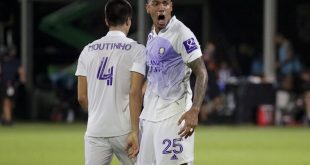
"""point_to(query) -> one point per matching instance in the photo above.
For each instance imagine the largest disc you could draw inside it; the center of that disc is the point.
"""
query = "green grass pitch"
(62, 144)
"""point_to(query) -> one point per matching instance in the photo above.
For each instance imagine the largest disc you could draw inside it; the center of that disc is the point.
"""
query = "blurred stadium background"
(265, 110)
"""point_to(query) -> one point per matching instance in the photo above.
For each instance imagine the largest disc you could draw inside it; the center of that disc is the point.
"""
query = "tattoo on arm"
(199, 69)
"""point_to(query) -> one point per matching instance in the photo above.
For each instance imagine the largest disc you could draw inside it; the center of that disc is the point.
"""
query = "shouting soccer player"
(169, 117)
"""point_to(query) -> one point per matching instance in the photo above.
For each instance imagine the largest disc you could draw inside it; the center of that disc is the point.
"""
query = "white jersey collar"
(116, 33)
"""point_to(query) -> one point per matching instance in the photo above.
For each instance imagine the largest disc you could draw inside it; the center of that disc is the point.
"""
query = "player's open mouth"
(161, 19)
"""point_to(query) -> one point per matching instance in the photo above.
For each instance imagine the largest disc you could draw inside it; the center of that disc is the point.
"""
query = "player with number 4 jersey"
(110, 77)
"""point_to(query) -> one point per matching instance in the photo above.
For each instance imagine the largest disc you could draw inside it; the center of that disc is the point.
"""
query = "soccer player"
(169, 117)
(110, 78)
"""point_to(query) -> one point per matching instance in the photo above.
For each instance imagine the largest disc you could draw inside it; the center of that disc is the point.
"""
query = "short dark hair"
(117, 12)
(147, 1)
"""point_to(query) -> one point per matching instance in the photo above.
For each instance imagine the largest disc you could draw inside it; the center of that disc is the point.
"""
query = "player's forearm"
(84, 105)
(200, 89)
(135, 104)
(201, 74)
(83, 102)
(82, 92)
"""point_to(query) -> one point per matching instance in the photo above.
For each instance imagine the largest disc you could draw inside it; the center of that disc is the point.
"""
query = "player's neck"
(157, 30)
(119, 28)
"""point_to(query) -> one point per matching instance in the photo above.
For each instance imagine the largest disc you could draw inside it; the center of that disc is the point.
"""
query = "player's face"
(160, 12)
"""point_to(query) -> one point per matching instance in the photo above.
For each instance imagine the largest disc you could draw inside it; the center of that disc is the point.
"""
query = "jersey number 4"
(101, 75)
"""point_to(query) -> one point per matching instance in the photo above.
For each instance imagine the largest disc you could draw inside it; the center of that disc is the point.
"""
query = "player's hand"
(132, 146)
(190, 122)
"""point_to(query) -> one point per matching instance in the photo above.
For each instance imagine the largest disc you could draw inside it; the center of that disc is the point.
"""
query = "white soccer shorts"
(160, 143)
(99, 150)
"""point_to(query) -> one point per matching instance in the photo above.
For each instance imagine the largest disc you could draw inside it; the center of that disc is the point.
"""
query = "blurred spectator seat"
(247, 97)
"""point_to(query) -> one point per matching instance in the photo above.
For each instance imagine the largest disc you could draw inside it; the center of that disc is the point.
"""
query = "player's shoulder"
(96, 41)
(181, 28)
(91, 43)
(135, 44)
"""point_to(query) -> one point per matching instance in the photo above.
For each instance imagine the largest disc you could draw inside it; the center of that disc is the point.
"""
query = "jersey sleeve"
(188, 46)
(139, 60)
(81, 66)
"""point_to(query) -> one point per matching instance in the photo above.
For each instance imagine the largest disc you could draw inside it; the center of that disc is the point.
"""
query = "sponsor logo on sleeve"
(190, 45)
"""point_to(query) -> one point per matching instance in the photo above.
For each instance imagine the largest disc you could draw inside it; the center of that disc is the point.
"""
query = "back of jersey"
(107, 64)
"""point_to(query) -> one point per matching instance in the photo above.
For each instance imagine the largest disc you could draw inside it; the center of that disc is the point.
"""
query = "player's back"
(109, 61)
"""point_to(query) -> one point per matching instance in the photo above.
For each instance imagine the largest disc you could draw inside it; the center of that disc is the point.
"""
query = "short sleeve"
(81, 66)
(139, 60)
(188, 46)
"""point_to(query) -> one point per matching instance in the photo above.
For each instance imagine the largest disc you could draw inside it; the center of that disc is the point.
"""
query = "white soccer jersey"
(107, 63)
(168, 54)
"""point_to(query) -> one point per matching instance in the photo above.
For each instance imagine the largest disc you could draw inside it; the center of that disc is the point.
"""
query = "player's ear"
(171, 5)
(147, 8)
(128, 22)
(106, 22)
